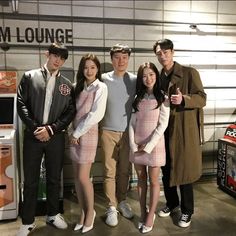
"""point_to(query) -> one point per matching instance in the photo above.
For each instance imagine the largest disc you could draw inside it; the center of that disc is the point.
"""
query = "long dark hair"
(80, 78)
(141, 88)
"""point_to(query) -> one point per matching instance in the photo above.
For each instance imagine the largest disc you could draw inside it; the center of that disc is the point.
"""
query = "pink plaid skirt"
(146, 123)
(85, 152)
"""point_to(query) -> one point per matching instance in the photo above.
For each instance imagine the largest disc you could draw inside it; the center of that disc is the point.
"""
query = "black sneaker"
(185, 220)
(164, 212)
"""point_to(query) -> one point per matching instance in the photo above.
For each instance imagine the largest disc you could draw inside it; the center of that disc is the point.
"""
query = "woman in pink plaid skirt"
(91, 97)
(146, 133)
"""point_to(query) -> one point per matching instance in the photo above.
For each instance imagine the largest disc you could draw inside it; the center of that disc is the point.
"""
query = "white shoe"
(140, 225)
(146, 229)
(125, 210)
(112, 219)
(57, 221)
(85, 229)
(166, 211)
(185, 220)
(25, 230)
(78, 227)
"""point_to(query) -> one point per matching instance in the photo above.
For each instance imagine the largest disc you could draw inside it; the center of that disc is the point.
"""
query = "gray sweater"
(119, 102)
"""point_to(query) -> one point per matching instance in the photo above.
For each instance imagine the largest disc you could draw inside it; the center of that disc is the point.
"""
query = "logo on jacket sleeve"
(64, 89)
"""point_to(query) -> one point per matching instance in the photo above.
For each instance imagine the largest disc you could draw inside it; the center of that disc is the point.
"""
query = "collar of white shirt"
(94, 84)
(49, 75)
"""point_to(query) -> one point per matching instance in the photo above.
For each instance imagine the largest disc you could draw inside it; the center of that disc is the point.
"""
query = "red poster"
(8, 81)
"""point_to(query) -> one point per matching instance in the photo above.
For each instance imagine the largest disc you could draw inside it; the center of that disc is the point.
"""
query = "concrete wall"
(203, 33)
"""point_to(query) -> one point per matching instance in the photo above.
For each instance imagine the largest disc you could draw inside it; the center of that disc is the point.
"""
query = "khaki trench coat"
(186, 126)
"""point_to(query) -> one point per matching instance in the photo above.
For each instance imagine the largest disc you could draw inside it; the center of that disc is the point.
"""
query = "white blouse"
(98, 108)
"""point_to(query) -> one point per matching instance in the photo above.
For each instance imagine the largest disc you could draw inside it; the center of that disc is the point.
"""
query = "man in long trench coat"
(183, 136)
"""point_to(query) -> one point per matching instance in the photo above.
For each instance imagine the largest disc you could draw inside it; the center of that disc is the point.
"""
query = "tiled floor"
(215, 214)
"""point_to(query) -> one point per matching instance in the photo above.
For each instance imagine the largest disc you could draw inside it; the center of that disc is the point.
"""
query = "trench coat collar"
(177, 74)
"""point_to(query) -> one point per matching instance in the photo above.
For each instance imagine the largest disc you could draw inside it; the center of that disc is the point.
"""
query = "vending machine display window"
(8, 111)
(7, 114)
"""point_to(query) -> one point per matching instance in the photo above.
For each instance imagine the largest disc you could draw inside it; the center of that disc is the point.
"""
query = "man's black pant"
(171, 194)
(33, 151)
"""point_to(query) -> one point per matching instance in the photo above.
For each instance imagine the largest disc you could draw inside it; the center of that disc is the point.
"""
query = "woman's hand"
(141, 147)
(73, 140)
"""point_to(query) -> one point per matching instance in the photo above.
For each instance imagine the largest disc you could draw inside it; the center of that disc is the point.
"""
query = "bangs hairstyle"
(120, 48)
(59, 50)
(164, 44)
(80, 78)
(141, 88)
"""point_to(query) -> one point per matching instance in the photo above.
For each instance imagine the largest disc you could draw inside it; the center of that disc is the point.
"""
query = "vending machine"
(9, 189)
(226, 161)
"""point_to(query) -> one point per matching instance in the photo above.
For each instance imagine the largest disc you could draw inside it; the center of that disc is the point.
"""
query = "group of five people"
(151, 120)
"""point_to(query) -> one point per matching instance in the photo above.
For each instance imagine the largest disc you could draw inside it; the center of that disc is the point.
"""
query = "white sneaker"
(185, 220)
(25, 230)
(112, 219)
(57, 221)
(125, 210)
(166, 211)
